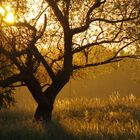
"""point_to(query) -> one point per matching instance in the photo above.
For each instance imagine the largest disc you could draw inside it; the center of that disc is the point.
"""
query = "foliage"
(50, 40)
(101, 33)
(77, 119)
(7, 93)
(7, 98)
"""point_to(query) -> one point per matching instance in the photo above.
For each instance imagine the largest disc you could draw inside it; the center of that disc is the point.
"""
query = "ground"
(115, 118)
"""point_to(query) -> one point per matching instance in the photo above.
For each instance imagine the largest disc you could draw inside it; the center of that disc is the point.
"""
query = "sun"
(6, 14)
(10, 18)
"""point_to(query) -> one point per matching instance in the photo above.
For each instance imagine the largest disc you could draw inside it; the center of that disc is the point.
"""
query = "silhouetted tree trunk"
(44, 109)
(45, 100)
(44, 112)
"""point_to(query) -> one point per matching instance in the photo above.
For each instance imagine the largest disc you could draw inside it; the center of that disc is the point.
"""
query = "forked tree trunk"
(44, 113)
(45, 106)
(45, 100)
(44, 109)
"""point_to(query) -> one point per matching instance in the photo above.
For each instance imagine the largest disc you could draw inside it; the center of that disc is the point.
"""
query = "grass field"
(116, 118)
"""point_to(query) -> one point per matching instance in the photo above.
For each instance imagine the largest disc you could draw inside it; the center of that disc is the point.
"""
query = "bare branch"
(122, 48)
(11, 80)
(66, 11)
(39, 14)
(75, 67)
(17, 85)
(25, 24)
(114, 21)
(5, 66)
(89, 21)
(44, 28)
(96, 5)
(44, 62)
(114, 58)
(57, 12)
(45, 85)
(96, 43)
(110, 60)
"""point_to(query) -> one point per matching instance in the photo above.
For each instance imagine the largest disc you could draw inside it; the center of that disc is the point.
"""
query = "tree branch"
(96, 43)
(110, 60)
(44, 28)
(44, 62)
(89, 21)
(10, 80)
(113, 59)
(66, 11)
(96, 5)
(114, 21)
(124, 47)
(25, 24)
(57, 12)
(75, 67)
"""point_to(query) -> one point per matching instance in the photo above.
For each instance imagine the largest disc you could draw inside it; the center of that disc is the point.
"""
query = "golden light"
(2, 11)
(10, 18)
(7, 14)
(8, 7)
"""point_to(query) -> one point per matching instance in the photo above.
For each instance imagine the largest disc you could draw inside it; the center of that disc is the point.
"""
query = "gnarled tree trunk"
(45, 100)
(44, 109)
(44, 112)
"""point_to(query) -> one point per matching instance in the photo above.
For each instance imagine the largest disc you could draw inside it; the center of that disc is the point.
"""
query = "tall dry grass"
(114, 118)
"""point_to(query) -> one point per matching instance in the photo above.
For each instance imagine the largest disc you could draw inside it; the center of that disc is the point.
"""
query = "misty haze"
(69, 69)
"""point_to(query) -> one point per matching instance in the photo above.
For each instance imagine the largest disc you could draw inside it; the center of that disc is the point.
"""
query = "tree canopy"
(51, 39)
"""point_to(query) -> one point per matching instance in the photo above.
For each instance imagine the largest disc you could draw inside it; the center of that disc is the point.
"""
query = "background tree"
(50, 40)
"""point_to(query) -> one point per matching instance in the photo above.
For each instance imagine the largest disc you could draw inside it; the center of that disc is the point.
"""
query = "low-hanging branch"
(10, 80)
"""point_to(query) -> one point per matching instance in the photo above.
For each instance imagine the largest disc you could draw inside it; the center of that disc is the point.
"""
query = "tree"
(6, 94)
(53, 39)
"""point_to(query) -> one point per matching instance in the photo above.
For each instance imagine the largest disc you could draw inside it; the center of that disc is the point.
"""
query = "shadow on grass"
(55, 131)
(18, 125)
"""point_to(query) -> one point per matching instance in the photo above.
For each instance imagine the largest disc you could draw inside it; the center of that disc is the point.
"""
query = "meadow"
(114, 118)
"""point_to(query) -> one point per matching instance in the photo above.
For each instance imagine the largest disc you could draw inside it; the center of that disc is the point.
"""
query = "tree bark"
(44, 113)
(44, 110)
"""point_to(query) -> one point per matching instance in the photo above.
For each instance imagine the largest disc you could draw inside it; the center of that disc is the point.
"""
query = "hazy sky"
(102, 86)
